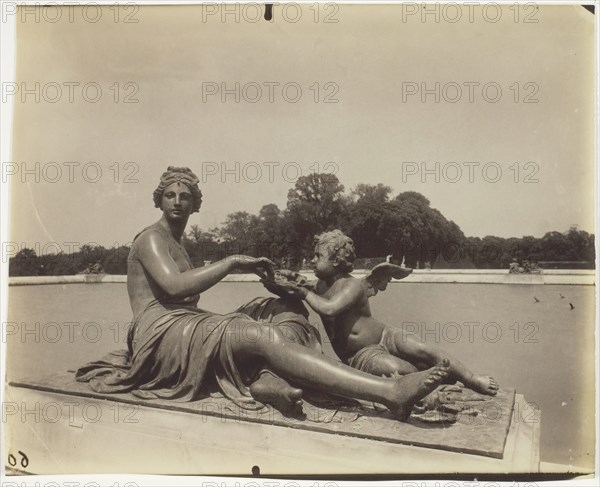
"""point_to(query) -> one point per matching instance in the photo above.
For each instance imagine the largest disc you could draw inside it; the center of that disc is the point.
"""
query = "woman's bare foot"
(413, 387)
(483, 384)
(276, 392)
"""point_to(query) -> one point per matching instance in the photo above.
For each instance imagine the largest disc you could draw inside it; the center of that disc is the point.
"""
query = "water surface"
(545, 350)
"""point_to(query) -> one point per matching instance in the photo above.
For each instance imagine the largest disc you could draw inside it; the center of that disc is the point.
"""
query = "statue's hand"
(254, 264)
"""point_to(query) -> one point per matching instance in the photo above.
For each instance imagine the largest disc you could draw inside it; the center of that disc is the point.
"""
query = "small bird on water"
(561, 296)
(536, 299)
(571, 305)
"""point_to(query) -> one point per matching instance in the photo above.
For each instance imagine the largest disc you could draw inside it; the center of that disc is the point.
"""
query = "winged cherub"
(359, 339)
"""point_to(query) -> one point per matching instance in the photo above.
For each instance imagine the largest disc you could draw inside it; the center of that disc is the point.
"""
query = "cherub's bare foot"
(276, 392)
(413, 387)
(484, 385)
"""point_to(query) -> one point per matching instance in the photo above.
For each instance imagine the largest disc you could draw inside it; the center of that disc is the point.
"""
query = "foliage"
(27, 263)
(404, 227)
(316, 204)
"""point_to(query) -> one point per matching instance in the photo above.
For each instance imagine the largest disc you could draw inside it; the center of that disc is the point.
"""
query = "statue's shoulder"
(346, 284)
(148, 232)
(349, 282)
(149, 236)
(144, 241)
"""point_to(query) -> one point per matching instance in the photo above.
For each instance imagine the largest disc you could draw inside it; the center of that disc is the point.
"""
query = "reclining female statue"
(181, 352)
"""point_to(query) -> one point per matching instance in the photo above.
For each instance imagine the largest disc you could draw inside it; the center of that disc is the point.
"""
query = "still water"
(545, 349)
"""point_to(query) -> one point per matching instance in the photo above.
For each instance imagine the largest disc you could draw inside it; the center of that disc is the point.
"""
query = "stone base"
(63, 427)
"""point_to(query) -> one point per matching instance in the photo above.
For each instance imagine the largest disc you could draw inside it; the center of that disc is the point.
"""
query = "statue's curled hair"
(182, 175)
(336, 244)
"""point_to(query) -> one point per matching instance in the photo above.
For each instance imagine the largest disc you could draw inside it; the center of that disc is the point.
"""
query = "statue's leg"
(388, 365)
(377, 360)
(405, 346)
(271, 389)
(313, 369)
(289, 316)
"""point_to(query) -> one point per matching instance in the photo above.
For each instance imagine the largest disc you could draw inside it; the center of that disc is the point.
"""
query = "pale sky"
(371, 134)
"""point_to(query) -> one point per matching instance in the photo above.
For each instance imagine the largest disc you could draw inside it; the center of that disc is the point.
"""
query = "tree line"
(402, 228)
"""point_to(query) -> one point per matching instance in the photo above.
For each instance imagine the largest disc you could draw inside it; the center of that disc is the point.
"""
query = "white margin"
(7, 74)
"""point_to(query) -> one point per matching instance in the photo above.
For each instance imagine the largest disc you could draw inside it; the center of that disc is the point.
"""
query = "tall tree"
(367, 211)
(24, 263)
(269, 232)
(315, 204)
(417, 232)
(237, 232)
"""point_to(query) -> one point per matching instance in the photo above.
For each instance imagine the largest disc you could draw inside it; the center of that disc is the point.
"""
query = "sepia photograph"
(299, 243)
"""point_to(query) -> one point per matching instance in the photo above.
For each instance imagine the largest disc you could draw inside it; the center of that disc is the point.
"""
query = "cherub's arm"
(348, 296)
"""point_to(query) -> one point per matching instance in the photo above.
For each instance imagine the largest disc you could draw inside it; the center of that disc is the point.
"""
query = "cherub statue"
(359, 339)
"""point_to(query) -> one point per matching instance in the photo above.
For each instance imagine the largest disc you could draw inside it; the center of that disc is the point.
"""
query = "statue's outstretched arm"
(155, 257)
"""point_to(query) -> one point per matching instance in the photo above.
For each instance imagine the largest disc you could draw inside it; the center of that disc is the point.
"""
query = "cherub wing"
(382, 274)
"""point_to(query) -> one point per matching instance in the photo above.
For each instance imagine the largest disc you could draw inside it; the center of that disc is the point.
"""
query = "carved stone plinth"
(64, 427)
